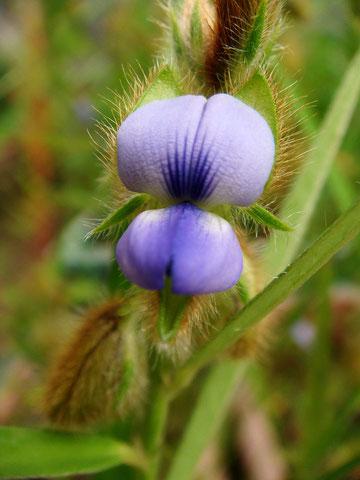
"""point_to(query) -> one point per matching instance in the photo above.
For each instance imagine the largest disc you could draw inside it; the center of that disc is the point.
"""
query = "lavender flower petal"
(197, 249)
(191, 149)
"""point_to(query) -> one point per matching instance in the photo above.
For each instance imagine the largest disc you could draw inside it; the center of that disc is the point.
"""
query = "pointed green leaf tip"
(163, 87)
(121, 214)
(264, 217)
(257, 94)
(27, 453)
(256, 32)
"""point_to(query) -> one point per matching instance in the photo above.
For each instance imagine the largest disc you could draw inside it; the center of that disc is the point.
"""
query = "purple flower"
(190, 151)
(207, 152)
(197, 249)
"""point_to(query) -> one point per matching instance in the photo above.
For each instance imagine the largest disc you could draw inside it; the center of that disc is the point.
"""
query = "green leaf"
(307, 188)
(257, 94)
(163, 87)
(26, 453)
(293, 277)
(264, 217)
(121, 214)
(207, 417)
(255, 36)
(196, 29)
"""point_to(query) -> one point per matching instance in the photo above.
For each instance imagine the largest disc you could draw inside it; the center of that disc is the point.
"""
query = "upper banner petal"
(197, 249)
(192, 149)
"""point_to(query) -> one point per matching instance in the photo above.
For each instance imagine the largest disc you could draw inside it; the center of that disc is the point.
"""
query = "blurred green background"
(300, 411)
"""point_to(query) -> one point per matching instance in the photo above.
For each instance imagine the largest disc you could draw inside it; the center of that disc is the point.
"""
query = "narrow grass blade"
(26, 453)
(340, 187)
(303, 197)
(207, 417)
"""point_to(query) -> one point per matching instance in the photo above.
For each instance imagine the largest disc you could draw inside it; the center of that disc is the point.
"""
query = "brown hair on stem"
(233, 18)
(85, 381)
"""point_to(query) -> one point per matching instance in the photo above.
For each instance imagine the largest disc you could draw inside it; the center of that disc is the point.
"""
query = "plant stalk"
(155, 429)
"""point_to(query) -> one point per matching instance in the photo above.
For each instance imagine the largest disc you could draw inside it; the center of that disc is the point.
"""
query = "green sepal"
(196, 34)
(128, 208)
(179, 46)
(257, 94)
(163, 87)
(265, 218)
(254, 39)
(172, 308)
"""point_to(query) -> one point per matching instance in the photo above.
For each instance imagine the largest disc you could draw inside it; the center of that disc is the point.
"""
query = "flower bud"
(221, 38)
(100, 373)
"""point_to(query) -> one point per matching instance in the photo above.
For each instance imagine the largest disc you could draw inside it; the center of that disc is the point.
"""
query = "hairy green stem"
(293, 277)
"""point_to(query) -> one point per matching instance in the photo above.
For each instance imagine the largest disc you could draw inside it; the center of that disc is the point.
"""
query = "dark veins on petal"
(194, 181)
